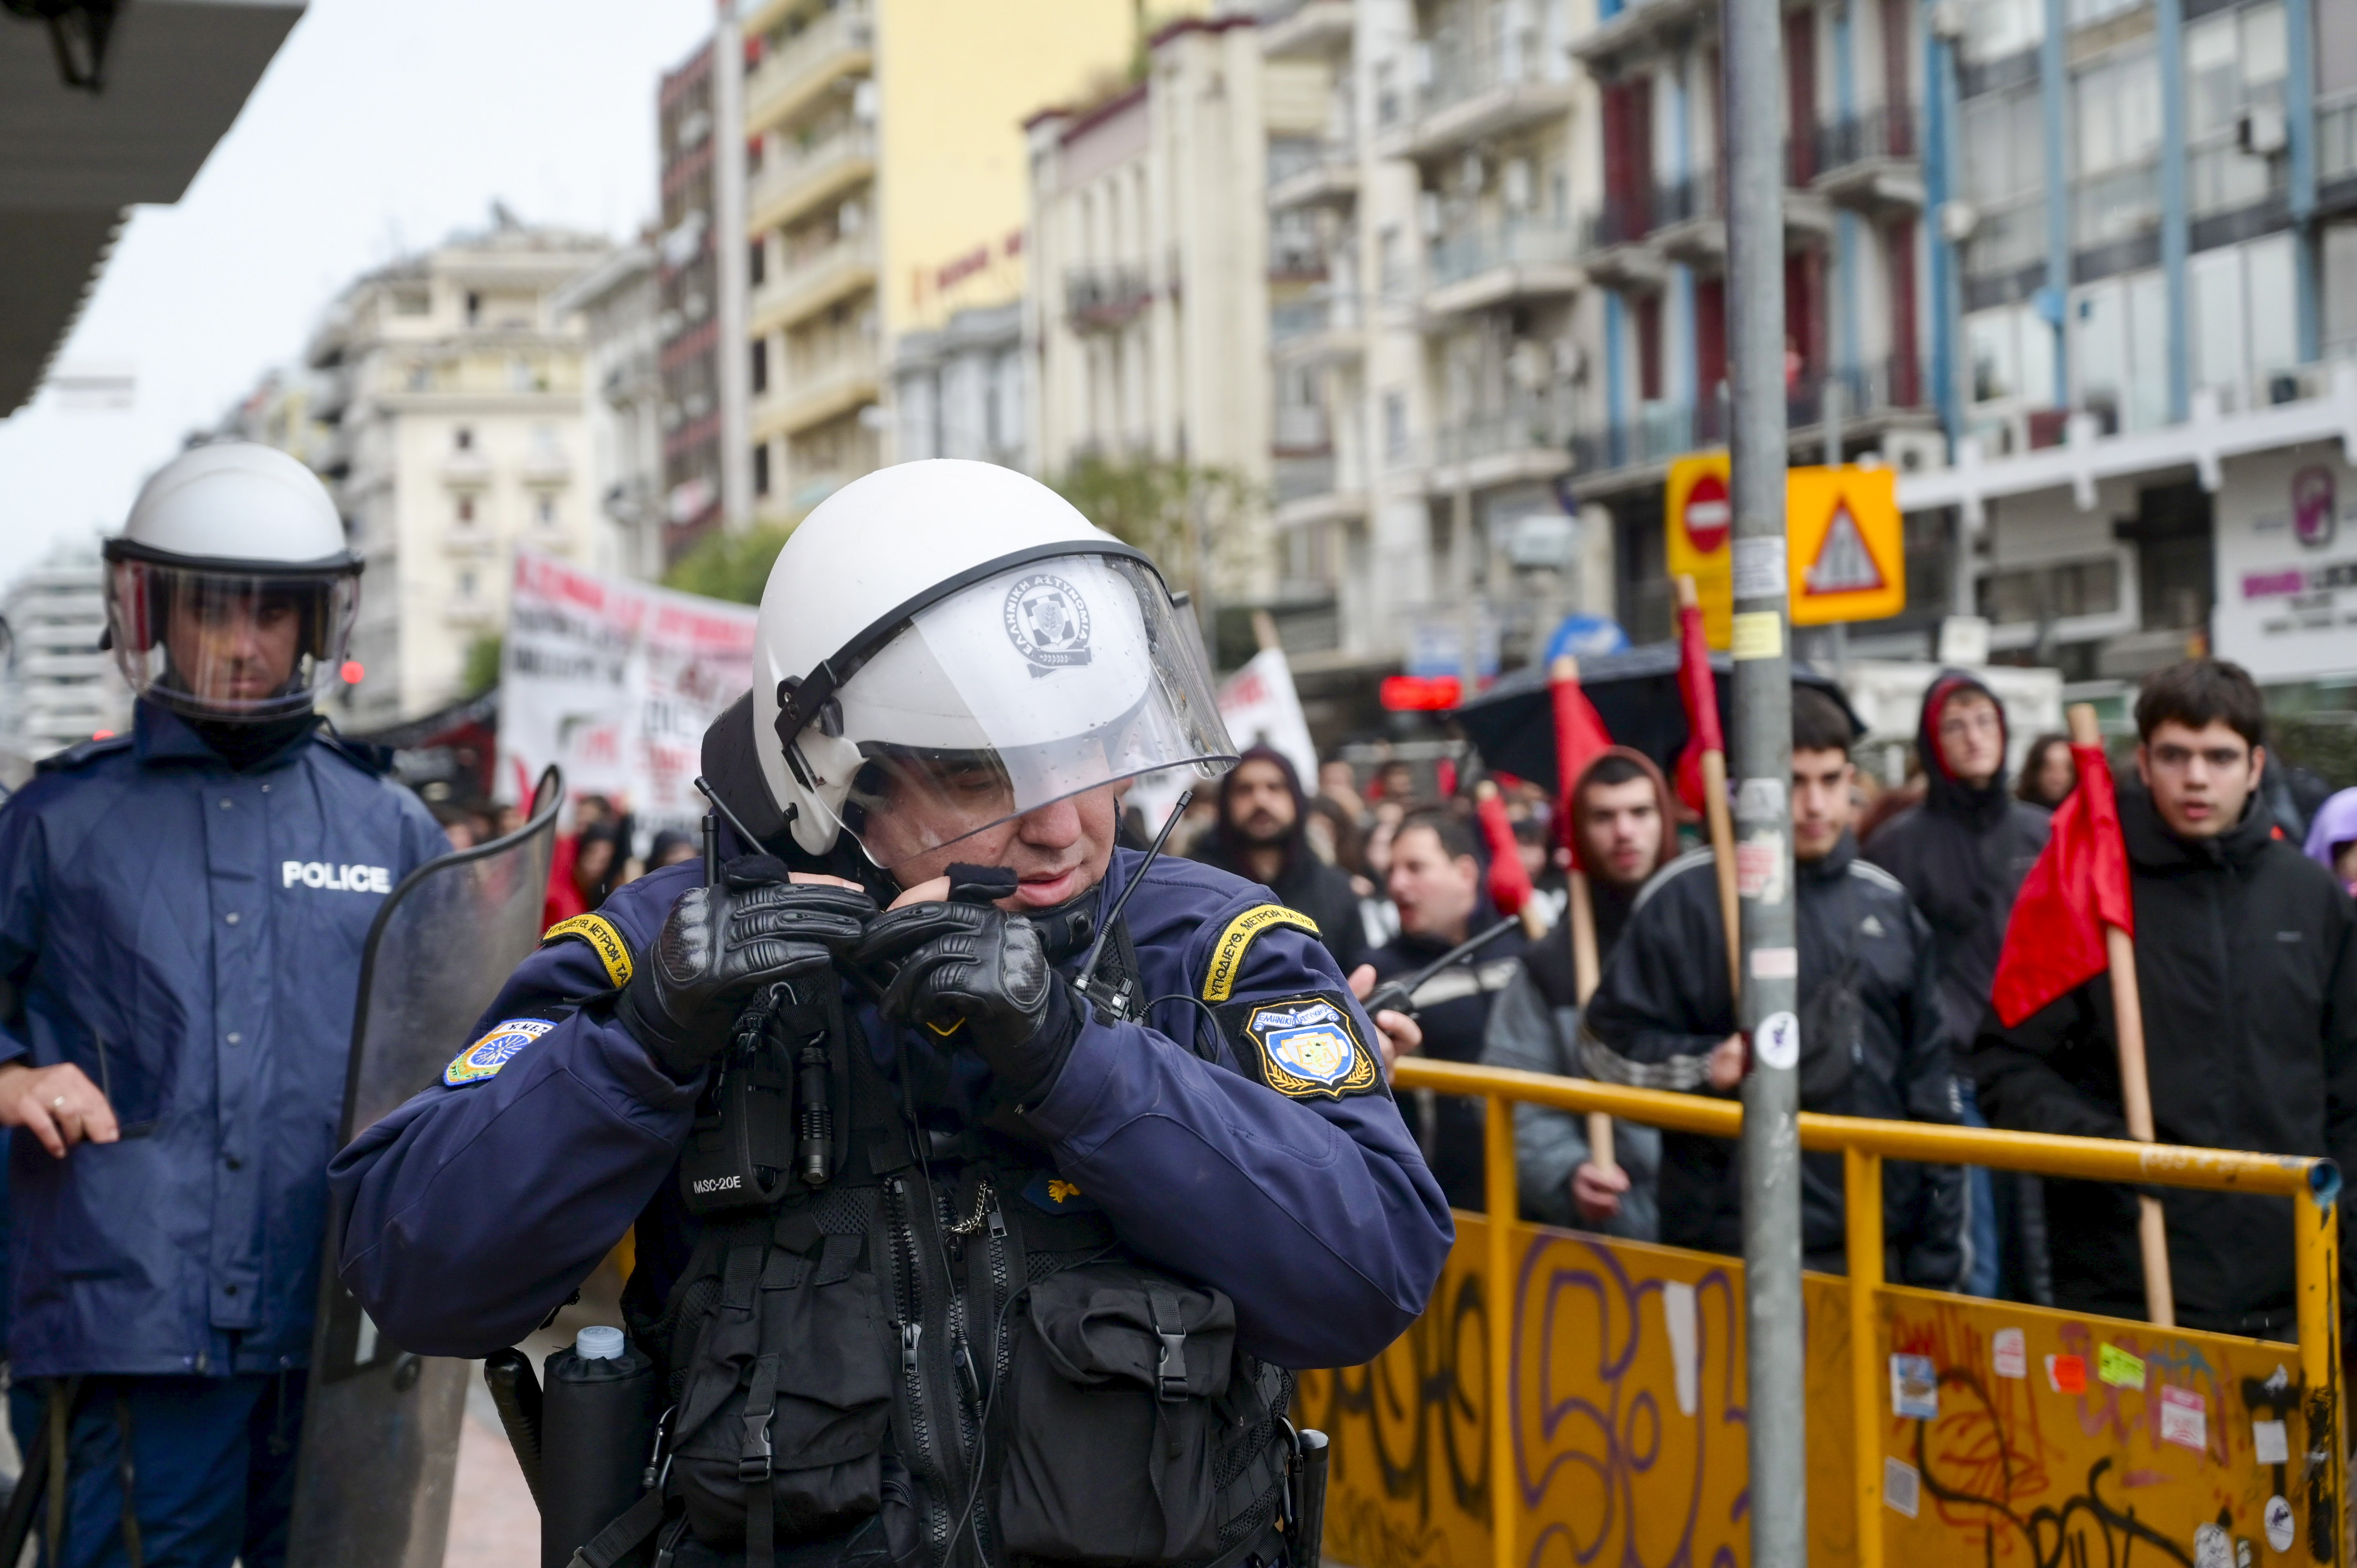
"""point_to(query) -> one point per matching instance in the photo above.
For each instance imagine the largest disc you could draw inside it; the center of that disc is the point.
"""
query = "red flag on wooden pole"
(1510, 880)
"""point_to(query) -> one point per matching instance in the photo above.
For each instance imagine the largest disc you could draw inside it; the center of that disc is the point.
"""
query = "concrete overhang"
(176, 72)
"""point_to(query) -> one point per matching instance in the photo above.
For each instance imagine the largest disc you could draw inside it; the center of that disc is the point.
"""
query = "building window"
(757, 261)
(466, 584)
(466, 510)
(761, 469)
(761, 366)
(474, 308)
(544, 509)
(1395, 443)
(463, 438)
(2115, 108)
(1994, 29)
(2012, 353)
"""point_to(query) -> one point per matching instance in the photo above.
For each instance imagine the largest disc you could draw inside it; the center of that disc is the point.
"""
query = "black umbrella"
(1512, 725)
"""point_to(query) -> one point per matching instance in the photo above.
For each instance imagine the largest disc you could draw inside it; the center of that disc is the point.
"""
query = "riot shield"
(380, 1426)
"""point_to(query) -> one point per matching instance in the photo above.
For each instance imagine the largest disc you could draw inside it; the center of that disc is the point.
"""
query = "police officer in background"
(1031, 1292)
(182, 913)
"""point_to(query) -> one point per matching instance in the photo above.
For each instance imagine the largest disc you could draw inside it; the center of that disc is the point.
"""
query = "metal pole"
(1763, 767)
(732, 268)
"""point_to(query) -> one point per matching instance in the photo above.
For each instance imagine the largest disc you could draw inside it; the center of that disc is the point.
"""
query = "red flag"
(2054, 942)
(1580, 738)
(1700, 693)
(1510, 883)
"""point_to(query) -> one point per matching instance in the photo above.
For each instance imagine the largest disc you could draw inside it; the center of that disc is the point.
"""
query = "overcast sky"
(380, 126)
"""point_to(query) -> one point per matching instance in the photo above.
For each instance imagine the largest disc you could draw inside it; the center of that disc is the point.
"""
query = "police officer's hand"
(58, 1105)
(722, 945)
(976, 974)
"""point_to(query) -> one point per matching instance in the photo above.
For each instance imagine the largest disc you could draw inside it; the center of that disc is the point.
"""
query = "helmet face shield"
(218, 643)
(1042, 683)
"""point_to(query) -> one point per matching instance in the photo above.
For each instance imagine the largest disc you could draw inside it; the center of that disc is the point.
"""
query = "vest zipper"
(924, 1464)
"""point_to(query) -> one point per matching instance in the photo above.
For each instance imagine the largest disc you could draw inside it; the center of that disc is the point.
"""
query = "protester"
(1339, 781)
(670, 847)
(2333, 838)
(2246, 960)
(1870, 1041)
(1961, 855)
(1396, 781)
(1334, 834)
(2048, 774)
(1620, 820)
(1259, 836)
(1436, 885)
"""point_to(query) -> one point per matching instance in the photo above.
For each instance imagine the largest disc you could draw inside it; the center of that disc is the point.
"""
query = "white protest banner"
(616, 683)
(1261, 708)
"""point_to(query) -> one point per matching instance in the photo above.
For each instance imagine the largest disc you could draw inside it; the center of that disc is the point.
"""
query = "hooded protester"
(1262, 835)
(1962, 855)
(1622, 831)
(2333, 838)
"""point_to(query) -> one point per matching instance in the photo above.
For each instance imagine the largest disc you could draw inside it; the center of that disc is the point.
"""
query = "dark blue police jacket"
(190, 938)
(478, 1206)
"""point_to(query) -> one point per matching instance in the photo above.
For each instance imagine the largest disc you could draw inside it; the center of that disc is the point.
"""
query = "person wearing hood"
(1962, 854)
(1622, 813)
(1262, 835)
(2333, 838)
(1664, 1017)
(2246, 959)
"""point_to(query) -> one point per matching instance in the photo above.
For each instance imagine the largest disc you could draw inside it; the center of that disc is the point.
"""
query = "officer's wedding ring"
(58, 1103)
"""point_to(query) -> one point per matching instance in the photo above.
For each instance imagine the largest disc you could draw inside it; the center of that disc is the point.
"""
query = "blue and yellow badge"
(1309, 1047)
(484, 1058)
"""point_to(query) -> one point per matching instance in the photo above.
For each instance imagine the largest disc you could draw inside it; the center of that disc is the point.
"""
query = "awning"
(175, 73)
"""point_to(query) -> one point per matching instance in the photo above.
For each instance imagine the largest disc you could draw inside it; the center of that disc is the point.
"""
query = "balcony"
(813, 282)
(813, 392)
(1871, 160)
(465, 467)
(1492, 266)
(470, 539)
(800, 180)
(839, 44)
(1312, 174)
(1301, 29)
(1099, 299)
(1473, 95)
(1633, 453)
(1316, 331)
(547, 464)
(1518, 439)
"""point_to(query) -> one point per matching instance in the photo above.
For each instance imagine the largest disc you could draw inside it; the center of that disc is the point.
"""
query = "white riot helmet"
(230, 591)
(946, 645)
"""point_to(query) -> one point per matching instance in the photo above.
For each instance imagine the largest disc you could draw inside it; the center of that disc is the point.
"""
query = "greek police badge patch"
(1309, 1047)
(484, 1058)
(1048, 621)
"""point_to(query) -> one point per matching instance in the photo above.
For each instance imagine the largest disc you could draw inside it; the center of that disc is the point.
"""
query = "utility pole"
(1764, 770)
(732, 359)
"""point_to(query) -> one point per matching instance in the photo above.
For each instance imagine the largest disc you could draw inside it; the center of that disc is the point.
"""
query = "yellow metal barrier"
(2245, 1480)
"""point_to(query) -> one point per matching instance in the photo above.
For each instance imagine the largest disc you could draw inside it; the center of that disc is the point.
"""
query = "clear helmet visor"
(220, 644)
(1046, 682)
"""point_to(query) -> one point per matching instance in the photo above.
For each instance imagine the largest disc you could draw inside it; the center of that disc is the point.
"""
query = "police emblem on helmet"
(1308, 1047)
(1048, 621)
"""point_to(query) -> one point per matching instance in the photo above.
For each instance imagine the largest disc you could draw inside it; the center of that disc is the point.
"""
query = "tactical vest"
(941, 1354)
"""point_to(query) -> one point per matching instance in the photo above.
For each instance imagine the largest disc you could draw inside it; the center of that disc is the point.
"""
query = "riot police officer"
(182, 910)
(1022, 1273)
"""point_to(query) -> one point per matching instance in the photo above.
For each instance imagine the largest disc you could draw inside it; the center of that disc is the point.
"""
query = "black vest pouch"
(763, 1415)
(1117, 1386)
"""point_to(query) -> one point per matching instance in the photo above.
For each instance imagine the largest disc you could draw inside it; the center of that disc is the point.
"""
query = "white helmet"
(945, 645)
(231, 590)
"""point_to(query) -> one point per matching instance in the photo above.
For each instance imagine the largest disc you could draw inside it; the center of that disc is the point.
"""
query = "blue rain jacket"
(475, 1209)
(190, 938)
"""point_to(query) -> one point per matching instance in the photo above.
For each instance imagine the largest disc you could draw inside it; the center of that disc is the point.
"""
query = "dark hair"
(1455, 832)
(2200, 693)
(1611, 769)
(1818, 722)
(2032, 788)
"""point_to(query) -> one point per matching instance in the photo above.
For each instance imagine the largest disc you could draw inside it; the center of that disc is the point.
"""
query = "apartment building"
(2150, 249)
(451, 387)
(687, 322)
(59, 689)
(963, 389)
(620, 304)
(884, 170)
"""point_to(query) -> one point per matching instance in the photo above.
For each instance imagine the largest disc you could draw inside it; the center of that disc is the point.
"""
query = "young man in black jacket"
(1962, 855)
(2246, 957)
(1870, 1040)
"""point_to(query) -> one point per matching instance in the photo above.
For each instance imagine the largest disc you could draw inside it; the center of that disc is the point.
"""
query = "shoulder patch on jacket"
(484, 1058)
(604, 940)
(1227, 952)
(75, 756)
(1306, 1046)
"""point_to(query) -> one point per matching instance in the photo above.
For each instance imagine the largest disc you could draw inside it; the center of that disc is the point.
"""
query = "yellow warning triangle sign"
(1843, 563)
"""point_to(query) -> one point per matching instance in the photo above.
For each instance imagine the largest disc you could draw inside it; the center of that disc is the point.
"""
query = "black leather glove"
(979, 975)
(722, 945)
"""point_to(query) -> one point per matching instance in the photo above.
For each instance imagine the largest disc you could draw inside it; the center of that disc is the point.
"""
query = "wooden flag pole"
(2135, 1083)
(1579, 919)
(1721, 822)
